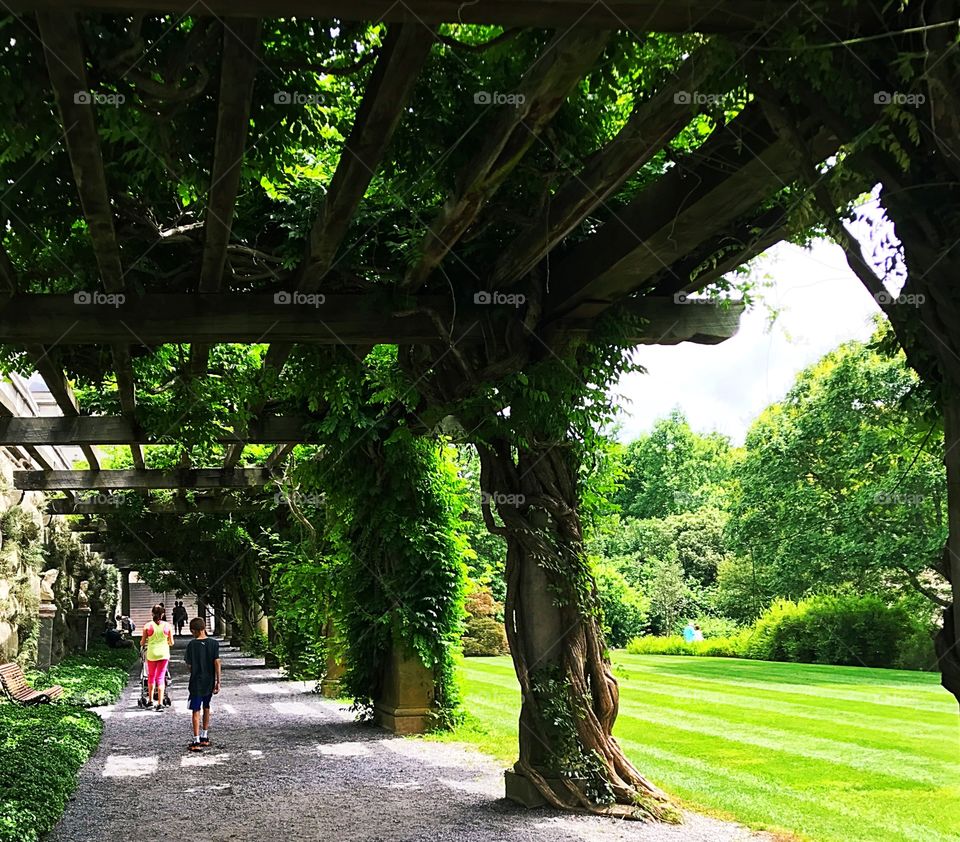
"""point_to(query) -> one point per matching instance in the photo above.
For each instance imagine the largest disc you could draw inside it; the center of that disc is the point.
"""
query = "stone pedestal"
(45, 641)
(330, 686)
(406, 702)
(85, 620)
(78, 624)
(520, 789)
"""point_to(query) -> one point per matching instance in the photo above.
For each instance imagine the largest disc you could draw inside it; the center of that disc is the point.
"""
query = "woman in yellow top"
(158, 638)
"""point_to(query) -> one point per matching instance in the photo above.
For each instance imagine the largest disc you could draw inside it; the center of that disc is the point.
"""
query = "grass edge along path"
(804, 751)
(43, 747)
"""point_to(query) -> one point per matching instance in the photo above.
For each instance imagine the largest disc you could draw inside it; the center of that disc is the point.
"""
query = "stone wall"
(30, 543)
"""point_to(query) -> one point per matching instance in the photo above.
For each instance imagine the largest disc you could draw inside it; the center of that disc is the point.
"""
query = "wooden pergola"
(679, 234)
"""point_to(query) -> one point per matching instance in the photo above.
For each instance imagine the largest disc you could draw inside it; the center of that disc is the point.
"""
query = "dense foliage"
(41, 750)
(96, 677)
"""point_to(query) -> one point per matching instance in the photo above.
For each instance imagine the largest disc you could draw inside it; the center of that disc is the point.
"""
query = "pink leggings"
(156, 670)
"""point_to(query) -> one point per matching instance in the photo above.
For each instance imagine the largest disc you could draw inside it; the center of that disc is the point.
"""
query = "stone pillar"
(125, 593)
(330, 686)
(266, 629)
(85, 620)
(406, 702)
(45, 642)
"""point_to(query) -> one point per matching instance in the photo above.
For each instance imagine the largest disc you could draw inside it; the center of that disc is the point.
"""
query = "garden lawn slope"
(827, 753)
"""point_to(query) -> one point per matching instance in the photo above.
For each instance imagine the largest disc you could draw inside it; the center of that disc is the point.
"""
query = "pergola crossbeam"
(502, 145)
(137, 479)
(238, 70)
(35, 320)
(118, 430)
(724, 16)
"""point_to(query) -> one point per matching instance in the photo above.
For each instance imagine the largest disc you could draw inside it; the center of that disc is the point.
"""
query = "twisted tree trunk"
(570, 697)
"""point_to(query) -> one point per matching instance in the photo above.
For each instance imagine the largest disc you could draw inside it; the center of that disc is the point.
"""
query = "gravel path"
(288, 765)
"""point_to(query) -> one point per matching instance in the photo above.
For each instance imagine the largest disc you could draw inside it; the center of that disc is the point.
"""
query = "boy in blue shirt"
(203, 658)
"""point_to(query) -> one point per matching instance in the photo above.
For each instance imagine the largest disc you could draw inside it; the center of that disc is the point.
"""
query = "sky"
(819, 303)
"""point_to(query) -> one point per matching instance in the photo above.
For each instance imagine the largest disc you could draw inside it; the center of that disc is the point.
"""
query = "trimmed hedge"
(41, 749)
(843, 630)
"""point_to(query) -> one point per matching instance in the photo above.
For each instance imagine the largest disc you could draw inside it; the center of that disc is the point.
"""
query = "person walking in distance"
(203, 659)
(157, 637)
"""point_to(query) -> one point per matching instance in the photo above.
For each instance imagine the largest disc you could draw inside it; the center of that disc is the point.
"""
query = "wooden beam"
(207, 505)
(727, 16)
(8, 274)
(502, 145)
(385, 99)
(731, 175)
(118, 430)
(278, 455)
(652, 125)
(238, 69)
(128, 396)
(62, 393)
(132, 478)
(63, 46)
(343, 319)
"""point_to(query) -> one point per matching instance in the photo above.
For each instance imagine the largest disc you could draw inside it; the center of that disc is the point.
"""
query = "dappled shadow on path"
(287, 763)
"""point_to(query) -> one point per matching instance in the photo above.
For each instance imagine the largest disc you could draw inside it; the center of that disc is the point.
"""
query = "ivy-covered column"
(568, 756)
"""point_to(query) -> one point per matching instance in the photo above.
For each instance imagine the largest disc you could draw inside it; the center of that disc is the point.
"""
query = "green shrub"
(96, 677)
(40, 752)
(484, 633)
(847, 630)
(484, 636)
(716, 647)
(625, 609)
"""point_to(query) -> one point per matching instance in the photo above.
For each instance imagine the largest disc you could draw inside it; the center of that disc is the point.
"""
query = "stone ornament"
(83, 597)
(46, 585)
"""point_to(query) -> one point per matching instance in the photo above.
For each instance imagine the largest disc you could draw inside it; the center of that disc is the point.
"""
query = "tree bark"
(948, 651)
(570, 697)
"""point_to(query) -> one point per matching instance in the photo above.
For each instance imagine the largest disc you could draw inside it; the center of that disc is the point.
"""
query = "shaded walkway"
(288, 765)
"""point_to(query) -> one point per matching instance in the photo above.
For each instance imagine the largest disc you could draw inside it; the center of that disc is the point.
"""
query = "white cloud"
(724, 387)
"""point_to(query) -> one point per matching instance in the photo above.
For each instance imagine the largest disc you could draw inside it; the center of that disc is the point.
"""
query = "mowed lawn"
(824, 753)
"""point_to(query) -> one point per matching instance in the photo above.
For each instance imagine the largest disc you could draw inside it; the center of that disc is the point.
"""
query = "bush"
(94, 678)
(41, 750)
(844, 630)
(847, 630)
(625, 609)
(716, 647)
(484, 633)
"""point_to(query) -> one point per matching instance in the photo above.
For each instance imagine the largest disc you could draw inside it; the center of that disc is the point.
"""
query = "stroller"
(143, 701)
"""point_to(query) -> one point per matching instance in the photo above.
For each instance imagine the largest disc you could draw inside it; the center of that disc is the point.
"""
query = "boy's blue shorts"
(194, 702)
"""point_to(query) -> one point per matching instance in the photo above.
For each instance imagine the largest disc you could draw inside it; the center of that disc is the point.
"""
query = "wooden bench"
(15, 684)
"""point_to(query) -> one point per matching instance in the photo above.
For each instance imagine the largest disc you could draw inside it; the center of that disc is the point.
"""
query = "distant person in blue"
(203, 658)
(689, 633)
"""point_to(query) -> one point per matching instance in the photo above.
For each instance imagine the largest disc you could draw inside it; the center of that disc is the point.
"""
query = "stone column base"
(403, 721)
(406, 701)
(521, 790)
